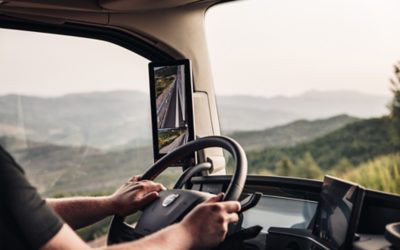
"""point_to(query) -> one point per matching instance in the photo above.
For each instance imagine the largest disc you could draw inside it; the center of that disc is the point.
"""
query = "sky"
(257, 47)
(288, 46)
(75, 63)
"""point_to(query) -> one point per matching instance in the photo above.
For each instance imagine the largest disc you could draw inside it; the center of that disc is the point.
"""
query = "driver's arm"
(78, 212)
(203, 228)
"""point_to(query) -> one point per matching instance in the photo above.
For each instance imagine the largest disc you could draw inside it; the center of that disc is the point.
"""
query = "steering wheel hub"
(157, 216)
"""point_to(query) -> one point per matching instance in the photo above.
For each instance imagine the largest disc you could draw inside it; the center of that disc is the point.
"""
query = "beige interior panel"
(180, 30)
(202, 123)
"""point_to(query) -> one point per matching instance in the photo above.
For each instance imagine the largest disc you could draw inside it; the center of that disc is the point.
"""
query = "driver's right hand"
(207, 224)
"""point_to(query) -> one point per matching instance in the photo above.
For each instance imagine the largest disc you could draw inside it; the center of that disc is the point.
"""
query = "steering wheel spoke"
(190, 172)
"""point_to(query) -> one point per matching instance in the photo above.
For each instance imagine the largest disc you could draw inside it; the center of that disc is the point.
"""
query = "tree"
(308, 168)
(394, 105)
(342, 166)
(284, 167)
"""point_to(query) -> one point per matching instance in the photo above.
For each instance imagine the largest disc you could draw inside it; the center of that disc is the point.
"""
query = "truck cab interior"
(181, 92)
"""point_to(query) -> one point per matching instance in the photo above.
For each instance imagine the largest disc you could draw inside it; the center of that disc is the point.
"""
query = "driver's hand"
(133, 195)
(207, 224)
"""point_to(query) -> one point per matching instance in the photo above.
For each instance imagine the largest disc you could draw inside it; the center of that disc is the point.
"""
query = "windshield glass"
(74, 112)
(305, 86)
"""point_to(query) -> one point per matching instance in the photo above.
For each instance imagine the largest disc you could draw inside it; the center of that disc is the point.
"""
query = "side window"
(74, 112)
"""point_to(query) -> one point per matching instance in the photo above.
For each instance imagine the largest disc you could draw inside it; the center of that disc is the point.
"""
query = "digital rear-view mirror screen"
(173, 116)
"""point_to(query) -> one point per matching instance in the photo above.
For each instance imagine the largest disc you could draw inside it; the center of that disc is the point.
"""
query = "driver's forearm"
(174, 237)
(79, 212)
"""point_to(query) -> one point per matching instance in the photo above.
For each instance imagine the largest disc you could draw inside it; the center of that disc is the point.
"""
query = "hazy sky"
(257, 47)
(62, 64)
(288, 46)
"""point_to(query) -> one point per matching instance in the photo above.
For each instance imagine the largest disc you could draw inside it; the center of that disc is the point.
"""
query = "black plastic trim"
(381, 199)
(372, 197)
(268, 185)
(254, 180)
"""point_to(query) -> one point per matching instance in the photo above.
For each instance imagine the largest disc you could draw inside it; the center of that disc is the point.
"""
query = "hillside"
(290, 134)
(356, 142)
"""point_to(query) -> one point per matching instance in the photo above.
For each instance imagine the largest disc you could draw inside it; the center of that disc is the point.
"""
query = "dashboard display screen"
(171, 96)
(275, 211)
(338, 212)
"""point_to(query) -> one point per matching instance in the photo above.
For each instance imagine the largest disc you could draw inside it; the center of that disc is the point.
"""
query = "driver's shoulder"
(8, 161)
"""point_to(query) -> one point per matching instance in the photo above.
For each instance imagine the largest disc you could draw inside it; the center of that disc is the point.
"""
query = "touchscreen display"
(336, 212)
(172, 101)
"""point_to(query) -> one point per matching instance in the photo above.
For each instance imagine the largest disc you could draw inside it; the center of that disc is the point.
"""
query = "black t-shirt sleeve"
(37, 222)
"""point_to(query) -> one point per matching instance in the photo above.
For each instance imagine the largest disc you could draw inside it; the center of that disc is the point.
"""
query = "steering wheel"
(174, 204)
(392, 234)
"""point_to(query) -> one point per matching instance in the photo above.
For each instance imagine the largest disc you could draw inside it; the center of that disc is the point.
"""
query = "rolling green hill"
(290, 134)
(356, 143)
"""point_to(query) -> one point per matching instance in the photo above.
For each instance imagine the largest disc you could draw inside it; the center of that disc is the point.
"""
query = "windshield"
(305, 86)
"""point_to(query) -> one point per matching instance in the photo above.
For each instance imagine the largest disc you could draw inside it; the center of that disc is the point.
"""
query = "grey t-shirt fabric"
(26, 221)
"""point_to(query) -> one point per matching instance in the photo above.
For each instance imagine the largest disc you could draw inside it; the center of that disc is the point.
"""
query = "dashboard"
(291, 203)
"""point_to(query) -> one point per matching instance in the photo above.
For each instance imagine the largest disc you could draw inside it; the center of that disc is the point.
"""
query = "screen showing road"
(172, 90)
(335, 211)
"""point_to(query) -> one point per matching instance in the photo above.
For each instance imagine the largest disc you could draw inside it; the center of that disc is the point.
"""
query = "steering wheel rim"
(120, 231)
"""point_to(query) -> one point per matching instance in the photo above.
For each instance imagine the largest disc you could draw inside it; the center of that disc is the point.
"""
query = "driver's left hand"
(133, 195)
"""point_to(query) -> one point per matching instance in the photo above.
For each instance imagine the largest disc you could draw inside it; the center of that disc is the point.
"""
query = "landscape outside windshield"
(315, 88)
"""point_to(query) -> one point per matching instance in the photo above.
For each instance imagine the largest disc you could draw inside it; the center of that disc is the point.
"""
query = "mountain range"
(99, 119)
(236, 111)
(122, 118)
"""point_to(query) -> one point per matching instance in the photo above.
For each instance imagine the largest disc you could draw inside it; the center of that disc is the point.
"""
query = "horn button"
(170, 208)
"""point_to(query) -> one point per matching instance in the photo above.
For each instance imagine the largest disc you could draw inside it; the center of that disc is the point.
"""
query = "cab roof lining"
(105, 5)
(77, 5)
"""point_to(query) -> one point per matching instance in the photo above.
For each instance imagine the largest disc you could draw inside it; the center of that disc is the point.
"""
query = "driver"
(29, 222)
